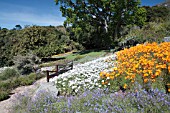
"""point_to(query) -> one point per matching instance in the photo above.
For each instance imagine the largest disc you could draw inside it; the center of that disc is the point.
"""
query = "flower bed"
(83, 76)
(97, 101)
(147, 64)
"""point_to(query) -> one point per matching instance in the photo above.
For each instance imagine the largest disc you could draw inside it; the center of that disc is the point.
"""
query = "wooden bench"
(60, 68)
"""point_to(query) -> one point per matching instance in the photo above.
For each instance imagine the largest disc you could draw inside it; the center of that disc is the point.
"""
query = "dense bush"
(8, 73)
(151, 32)
(156, 13)
(41, 41)
(25, 64)
(4, 95)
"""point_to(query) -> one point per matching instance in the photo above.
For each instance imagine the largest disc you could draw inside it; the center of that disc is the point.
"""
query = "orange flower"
(163, 66)
(111, 77)
(149, 60)
(169, 68)
(146, 80)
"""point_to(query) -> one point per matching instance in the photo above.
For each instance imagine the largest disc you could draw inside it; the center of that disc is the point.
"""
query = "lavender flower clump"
(101, 101)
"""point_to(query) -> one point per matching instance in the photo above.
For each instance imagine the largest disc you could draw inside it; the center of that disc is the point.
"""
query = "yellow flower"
(115, 68)
(125, 86)
(158, 72)
(145, 75)
(163, 66)
(107, 75)
(150, 71)
(169, 68)
(111, 77)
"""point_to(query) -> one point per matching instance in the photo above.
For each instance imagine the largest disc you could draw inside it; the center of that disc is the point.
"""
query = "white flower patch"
(83, 75)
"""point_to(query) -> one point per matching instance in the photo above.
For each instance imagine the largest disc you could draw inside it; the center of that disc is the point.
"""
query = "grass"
(78, 57)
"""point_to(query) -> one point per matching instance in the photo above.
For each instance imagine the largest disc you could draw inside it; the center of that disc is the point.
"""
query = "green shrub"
(8, 73)
(152, 32)
(4, 95)
(24, 80)
(25, 63)
(28, 80)
(8, 85)
(4, 85)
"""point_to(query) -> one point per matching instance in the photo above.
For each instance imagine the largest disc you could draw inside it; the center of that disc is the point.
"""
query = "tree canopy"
(42, 41)
(157, 13)
(101, 21)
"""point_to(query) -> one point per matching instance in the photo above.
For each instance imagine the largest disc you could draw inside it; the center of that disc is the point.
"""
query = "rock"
(166, 39)
(45, 89)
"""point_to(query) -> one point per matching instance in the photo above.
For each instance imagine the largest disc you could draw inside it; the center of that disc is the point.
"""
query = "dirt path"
(6, 106)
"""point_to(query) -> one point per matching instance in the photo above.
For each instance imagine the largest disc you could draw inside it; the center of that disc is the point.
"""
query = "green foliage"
(4, 95)
(6, 46)
(8, 85)
(97, 24)
(79, 57)
(39, 40)
(157, 13)
(25, 63)
(151, 32)
(8, 73)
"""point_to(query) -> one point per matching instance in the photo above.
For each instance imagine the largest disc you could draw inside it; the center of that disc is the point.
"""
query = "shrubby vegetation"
(10, 79)
(156, 27)
(39, 40)
(157, 13)
(9, 73)
(26, 64)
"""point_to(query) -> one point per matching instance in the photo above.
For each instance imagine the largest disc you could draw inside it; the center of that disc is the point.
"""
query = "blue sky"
(36, 12)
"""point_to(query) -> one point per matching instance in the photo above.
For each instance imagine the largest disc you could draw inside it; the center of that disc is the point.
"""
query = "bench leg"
(48, 77)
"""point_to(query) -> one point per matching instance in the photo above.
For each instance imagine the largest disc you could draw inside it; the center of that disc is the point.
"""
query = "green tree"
(157, 13)
(101, 19)
(18, 27)
(42, 41)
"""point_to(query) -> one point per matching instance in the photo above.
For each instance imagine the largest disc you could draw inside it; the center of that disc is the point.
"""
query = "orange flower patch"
(149, 61)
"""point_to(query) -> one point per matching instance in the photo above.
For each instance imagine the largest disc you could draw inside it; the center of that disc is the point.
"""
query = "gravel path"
(6, 106)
